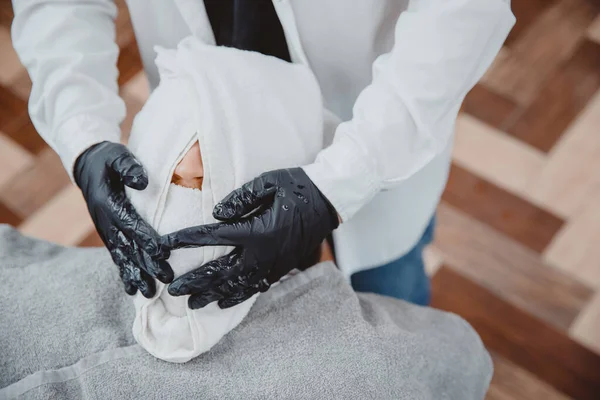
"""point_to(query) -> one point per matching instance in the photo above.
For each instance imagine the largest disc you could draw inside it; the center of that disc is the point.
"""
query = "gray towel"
(65, 334)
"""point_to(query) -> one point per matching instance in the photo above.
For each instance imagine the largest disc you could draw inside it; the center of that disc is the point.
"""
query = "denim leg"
(403, 278)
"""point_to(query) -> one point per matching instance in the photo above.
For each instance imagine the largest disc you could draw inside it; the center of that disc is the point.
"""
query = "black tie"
(248, 25)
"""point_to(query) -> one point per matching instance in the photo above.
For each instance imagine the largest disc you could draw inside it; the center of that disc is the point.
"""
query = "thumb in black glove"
(101, 173)
(289, 221)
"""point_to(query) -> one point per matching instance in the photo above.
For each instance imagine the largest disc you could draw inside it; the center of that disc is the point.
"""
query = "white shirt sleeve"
(406, 116)
(69, 50)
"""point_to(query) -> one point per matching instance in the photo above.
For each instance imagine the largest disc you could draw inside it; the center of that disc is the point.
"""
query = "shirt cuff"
(345, 175)
(80, 133)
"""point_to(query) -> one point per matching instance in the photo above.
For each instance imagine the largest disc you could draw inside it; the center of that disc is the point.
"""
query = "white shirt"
(395, 71)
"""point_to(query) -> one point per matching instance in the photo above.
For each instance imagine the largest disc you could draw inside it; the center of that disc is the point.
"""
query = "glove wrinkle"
(270, 244)
(101, 172)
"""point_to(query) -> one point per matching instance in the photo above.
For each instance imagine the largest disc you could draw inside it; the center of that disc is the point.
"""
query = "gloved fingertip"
(197, 302)
(129, 169)
(165, 274)
(224, 212)
(163, 252)
(152, 245)
(130, 289)
(178, 288)
(227, 303)
(136, 178)
(168, 242)
(147, 290)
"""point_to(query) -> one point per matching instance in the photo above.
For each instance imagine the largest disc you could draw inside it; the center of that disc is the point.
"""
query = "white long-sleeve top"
(395, 71)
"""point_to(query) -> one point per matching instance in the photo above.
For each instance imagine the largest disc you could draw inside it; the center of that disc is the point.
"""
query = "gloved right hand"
(101, 173)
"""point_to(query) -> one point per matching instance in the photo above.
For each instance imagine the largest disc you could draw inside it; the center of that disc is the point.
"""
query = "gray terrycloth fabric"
(66, 334)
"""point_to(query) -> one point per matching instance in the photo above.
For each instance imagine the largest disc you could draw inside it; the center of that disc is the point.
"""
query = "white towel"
(250, 113)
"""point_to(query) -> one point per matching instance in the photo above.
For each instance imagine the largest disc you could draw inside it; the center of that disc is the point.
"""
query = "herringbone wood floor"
(516, 250)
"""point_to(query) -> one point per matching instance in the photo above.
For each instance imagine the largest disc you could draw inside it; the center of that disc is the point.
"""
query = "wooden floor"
(517, 249)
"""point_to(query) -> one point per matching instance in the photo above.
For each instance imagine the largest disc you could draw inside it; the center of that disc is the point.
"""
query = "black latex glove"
(291, 218)
(101, 173)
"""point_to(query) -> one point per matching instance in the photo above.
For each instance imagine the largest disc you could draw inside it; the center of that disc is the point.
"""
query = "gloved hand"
(101, 173)
(291, 219)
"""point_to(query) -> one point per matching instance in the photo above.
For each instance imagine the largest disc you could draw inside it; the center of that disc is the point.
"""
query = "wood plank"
(526, 13)
(22, 131)
(519, 337)
(135, 93)
(565, 181)
(508, 269)
(6, 13)
(575, 248)
(505, 212)
(7, 216)
(137, 87)
(91, 240)
(555, 33)
(129, 62)
(593, 32)
(433, 260)
(10, 65)
(513, 78)
(540, 49)
(32, 188)
(511, 382)
(489, 107)
(586, 328)
(11, 107)
(123, 25)
(564, 95)
(64, 219)
(21, 85)
(13, 160)
(133, 106)
(495, 156)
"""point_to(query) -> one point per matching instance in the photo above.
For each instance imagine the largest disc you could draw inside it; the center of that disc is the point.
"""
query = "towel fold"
(250, 113)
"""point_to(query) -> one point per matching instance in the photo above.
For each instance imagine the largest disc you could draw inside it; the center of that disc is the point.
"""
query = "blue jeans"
(403, 278)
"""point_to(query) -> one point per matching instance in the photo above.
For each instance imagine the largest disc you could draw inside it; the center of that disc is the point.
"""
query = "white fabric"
(250, 113)
(164, 325)
(395, 71)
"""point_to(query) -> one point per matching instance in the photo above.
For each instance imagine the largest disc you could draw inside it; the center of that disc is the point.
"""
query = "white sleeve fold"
(406, 116)
(69, 50)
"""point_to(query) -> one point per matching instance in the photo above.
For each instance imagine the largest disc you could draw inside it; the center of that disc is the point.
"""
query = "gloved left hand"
(291, 219)
(102, 172)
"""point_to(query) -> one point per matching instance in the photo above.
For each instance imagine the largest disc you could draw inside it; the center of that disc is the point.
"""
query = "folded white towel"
(251, 113)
